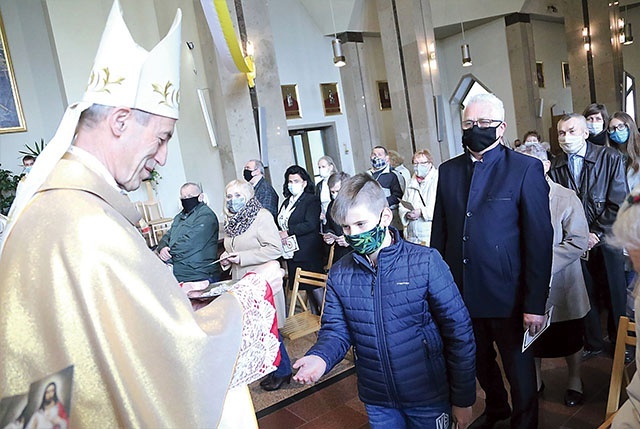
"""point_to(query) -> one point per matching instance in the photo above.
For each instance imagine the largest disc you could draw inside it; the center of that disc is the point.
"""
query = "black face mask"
(188, 204)
(478, 139)
(248, 175)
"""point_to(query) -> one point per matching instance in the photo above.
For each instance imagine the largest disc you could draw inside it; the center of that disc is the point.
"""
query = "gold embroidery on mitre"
(170, 94)
(100, 80)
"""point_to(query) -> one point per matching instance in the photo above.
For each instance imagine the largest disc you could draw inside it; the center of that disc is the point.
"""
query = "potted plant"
(8, 186)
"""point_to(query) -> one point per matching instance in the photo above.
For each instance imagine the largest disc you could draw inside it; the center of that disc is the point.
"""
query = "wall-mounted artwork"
(540, 74)
(384, 96)
(566, 77)
(11, 116)
(290, 101)
(330, 99)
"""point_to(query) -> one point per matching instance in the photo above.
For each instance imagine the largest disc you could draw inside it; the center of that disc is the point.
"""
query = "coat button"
(469, 214)
(465, 261)
(465, 238)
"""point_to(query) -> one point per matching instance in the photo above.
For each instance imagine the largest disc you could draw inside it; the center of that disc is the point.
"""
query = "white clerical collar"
(94, 165)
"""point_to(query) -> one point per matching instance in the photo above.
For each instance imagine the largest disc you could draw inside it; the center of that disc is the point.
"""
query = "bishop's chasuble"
(78, 286)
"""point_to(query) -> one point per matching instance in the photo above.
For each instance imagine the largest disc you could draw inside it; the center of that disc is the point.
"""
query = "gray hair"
(258, 164)
(191, 185)
(97, 113)
(579, 117)
(491, 100)
(533, 149)
(329, 161)
(626, 228)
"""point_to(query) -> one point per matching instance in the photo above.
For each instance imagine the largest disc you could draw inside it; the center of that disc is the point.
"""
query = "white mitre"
(123, 74)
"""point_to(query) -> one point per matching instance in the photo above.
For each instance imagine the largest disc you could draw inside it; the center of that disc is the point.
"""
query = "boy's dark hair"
(386, 152)
(595, 108)
(28, 158)
(336, 178)
(296, 169)
(361, 189)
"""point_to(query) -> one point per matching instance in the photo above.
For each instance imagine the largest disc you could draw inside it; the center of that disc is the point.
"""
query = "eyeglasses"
(425, 163)
(482, 123)
(619, 127)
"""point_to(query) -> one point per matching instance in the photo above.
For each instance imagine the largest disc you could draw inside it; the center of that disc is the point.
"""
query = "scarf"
(241, 221)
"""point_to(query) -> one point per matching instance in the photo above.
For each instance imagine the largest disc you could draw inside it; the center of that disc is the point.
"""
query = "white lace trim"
(259, 345)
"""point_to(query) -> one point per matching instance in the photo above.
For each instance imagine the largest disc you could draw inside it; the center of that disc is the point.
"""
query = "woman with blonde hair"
(419, 199)
(251, 242)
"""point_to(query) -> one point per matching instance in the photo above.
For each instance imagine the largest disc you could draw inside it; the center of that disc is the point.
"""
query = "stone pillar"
(275, 139)
(360, 104)
(595, 76)
(522, 63)
(407, 32)
(234, 120)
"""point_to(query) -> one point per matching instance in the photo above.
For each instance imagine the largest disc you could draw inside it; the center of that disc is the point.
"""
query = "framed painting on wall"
(540, 74)
(11, 115)
(290, 101)
(566, 77)
(384, 96)
(330, 100)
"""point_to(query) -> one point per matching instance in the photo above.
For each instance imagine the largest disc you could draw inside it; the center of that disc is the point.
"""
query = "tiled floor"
(338, 407)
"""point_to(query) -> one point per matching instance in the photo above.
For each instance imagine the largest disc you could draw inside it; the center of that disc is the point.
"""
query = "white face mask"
(595, 127)
(570, 143)
(296, 188)
(324, 172)
(422, 170)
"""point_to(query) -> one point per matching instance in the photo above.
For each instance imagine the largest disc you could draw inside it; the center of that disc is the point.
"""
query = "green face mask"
(367, 242)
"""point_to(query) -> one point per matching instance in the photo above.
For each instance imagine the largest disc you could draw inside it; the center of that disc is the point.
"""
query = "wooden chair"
(156, 220)
(332, 250)
(626, 336)
(300, 324)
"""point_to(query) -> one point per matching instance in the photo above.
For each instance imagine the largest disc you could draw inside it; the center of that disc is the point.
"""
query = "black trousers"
(519, 368)
(606, 284)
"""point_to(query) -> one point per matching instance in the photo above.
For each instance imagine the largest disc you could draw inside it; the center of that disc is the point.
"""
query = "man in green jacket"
(191, 244)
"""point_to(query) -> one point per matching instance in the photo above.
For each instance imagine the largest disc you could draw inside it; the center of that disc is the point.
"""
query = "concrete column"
(407, 32)
(275, 138)
(596, 77)
(522, 63)
(360, 105)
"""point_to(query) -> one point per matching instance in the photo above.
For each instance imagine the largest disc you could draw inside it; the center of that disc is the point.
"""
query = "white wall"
(551, 49)
(36, 76)
(305, 58)
(377, 71)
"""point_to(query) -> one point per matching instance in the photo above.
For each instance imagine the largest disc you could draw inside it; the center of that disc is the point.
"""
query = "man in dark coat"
(492, 226)
(598, 176)
(254, 173)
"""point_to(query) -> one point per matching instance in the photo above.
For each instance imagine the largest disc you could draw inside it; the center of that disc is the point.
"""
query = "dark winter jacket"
(411, 332)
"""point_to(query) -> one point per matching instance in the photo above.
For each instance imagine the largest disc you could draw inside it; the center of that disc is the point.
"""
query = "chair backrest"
(152, 210)
(626, 336)
(309, 278)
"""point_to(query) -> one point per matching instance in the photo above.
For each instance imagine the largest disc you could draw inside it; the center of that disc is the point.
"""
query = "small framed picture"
(290, 101)
(330, 98)
(540, 74)
(384, 95)
(566, 77)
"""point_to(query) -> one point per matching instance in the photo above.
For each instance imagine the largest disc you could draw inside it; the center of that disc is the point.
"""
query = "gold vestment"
(78, 286)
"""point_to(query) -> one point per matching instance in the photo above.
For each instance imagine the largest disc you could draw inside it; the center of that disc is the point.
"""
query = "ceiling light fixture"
(338, 57)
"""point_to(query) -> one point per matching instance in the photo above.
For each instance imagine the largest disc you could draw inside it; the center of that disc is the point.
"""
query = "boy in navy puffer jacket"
(396, 303)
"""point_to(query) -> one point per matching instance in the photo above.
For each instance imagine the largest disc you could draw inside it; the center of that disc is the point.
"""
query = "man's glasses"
(482, 123)
(619, 127)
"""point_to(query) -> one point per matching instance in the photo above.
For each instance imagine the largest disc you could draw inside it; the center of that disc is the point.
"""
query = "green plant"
(8, 185)
(35, 151)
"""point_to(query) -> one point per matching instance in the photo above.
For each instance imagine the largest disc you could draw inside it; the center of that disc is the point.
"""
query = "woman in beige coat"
(567, 293)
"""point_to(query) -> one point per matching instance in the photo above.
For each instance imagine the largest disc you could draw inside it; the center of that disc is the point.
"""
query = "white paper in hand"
(528, 339)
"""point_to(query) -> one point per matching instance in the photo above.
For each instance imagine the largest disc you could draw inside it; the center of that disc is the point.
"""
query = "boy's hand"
(461, 417)
(310, 369)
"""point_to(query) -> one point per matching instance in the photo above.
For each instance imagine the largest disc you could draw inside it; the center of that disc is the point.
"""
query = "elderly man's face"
(143, 147)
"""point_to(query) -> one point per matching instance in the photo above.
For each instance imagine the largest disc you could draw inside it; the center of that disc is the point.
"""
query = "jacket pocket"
(500, 197)
(504, 261)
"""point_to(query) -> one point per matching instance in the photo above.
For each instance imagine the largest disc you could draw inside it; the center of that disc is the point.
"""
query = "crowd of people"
(433, 270)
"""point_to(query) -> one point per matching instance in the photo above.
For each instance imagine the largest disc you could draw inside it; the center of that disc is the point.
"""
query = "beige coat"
(78, 286)
(259, 244)
(422, 196)
(568, 293)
